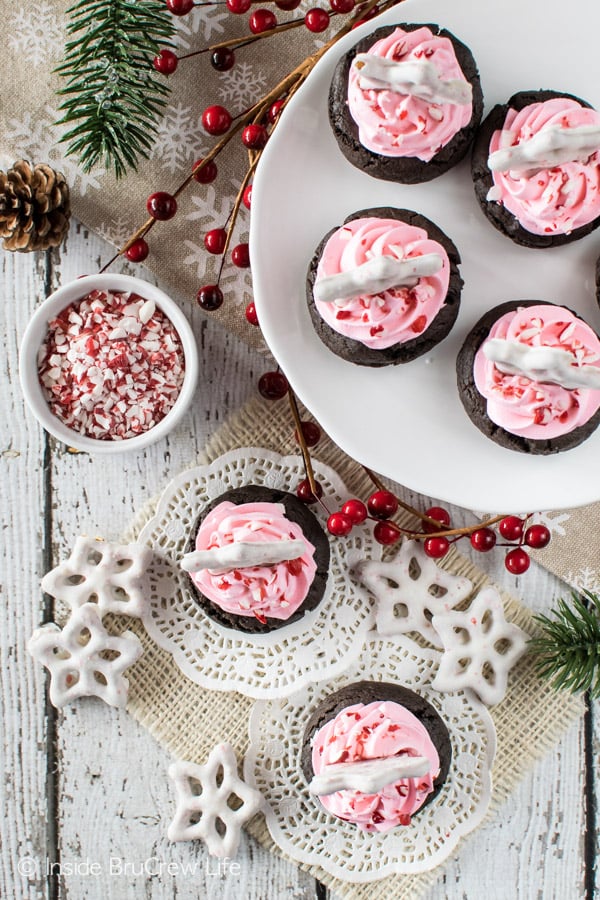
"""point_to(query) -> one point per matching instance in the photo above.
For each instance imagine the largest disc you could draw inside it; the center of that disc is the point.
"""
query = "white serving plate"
(407, 421)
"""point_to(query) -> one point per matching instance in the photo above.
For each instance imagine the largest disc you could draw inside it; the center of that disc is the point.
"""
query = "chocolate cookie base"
(354, 351)
(476, 405)
(404, 169)
(297, 512)
(495, 212)
(368, 692)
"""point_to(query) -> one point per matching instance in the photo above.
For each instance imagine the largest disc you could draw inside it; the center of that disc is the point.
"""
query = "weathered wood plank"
(115, 798)
(26, 831)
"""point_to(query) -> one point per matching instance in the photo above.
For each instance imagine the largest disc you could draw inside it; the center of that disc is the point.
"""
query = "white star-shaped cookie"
(203, 794)
(110, 575)
(409, 590)
(480, 648)
(73, 656)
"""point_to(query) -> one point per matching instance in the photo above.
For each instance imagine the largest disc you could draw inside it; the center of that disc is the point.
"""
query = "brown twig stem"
(302, 441)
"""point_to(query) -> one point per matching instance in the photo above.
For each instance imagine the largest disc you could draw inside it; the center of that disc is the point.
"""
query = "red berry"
(483, 539)
(262, 20)
(386, 533)
(254, 137)
(222, 59)
(166, 62)
(342, 6)
(274, 110)
(517, 561)
(311, 432)
(440, 515)
(251, 314)
(436, 547)
(382, 504)
(138, 251)
(288, 5)
(273, 385)
(240, 256)
(210, 297)
(247, 196)
(304, 491)
(216, 120)
(214, 240)
(180, 7)
(537, 536)
(339, 524)
(317, 20)
(511, 528)
(161, 206)
(355, 510)
(239, 7)
(207, 173)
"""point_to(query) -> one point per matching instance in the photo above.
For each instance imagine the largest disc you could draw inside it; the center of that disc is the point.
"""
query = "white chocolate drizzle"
(418, 78)
(367, 775)
(545, 364)
(376, 275)
(242, 555)
(551, 146)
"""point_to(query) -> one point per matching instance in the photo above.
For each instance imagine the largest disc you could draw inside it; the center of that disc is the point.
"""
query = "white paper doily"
(303, 829)
(322, 644)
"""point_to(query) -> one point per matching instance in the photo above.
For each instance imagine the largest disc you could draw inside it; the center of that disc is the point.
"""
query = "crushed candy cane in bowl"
(108, 364)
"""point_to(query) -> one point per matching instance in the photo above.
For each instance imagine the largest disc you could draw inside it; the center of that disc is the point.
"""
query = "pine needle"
(569, 649)
(114, 97)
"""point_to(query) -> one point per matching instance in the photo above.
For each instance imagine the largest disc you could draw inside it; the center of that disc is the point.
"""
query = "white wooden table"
(84, 792)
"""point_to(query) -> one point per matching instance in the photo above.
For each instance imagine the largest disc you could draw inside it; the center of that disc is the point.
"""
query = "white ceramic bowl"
(34, 336)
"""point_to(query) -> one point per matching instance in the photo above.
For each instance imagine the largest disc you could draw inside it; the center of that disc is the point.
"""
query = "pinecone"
(34, 207)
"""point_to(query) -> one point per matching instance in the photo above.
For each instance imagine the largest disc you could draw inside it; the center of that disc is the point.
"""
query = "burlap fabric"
(182, 715)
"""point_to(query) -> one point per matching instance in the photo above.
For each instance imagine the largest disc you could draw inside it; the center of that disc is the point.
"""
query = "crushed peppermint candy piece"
(111, 365)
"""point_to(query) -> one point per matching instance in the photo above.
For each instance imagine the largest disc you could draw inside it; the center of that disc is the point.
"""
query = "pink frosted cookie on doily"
(405, 102)
(257, 559)
(375, 754)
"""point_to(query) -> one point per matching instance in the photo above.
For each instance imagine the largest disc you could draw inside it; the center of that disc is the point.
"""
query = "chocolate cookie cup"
(403, 169)
(353, 350)
(366, 692)
(483, 182)
(475, 404)
(296, 512)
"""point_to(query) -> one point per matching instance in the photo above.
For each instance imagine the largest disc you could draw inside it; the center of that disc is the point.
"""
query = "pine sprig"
(114, 100)
(569, 649)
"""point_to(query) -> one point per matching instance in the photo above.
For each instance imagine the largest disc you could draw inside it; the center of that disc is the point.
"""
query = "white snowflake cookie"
(480, 648)
(74, 658)
(109, 575)
(204, 793)
(409, 590)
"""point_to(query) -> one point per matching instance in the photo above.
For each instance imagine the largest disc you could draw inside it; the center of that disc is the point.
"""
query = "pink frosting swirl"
(393, 316)
(534, 409)
(263, 591)
(374, 731)
(393, 124)
(555, 200)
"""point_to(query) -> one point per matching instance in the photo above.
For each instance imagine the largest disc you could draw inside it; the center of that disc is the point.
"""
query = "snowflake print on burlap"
(112, 576)
(554, 522)
(206, 20)
(480, 648)
(116, 231)
(180, 138)
(36, 33)
(83, 659)
(241, 87)
(204, 794)
(35, 136)
(409, 590)
(586, 579)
